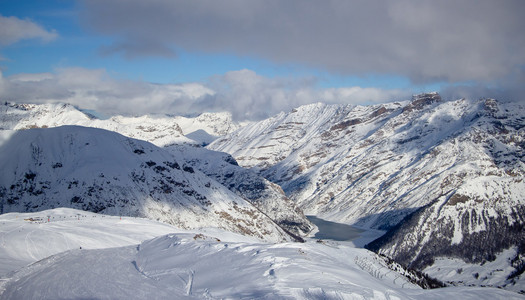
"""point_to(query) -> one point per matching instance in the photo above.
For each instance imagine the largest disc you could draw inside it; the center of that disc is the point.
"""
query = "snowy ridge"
(195, 265)
(216, 124)
(160, 130)
(267, 142)
(102, 171)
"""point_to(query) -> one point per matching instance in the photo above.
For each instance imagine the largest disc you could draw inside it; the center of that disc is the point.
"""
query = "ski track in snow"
(30, 246)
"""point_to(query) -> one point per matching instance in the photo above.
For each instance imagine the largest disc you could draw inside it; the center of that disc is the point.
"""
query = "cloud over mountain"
(244, 93)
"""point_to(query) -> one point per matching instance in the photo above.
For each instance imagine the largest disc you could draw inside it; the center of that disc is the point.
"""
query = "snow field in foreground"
(171, 263)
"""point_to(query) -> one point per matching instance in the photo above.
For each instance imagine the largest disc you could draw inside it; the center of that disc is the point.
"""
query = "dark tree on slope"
(405, 242)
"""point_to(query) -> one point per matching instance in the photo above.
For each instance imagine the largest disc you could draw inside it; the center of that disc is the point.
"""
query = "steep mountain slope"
(374, 165)
(455, 168)
(101, 171)
(268, 197)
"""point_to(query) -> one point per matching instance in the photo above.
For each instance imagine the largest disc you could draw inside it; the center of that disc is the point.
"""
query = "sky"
(255, 58)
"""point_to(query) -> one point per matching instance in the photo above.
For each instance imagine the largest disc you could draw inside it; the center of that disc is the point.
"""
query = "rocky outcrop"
(268, 197)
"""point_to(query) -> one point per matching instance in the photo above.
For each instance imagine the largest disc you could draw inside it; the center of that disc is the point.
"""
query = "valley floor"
(80, 255)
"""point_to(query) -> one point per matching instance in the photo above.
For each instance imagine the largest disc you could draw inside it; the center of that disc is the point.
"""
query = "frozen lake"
(335, 231)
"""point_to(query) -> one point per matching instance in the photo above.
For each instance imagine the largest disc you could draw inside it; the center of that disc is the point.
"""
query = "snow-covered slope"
(459, 164)
(26, 238)
(102, 171)
(263, 194)
(216, 124)
(373, 165)
(183, 265)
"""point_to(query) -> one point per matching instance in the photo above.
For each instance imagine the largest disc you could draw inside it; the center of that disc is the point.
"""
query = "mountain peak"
(421, 100)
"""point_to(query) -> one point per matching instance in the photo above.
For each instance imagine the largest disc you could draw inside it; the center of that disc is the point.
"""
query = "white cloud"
(244, 93)
(13, 29)
(95, 89)
(34, 77)
(248, 95)
(359, 95)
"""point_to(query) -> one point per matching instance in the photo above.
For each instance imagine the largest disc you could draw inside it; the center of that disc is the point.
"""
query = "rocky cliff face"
(101, 171)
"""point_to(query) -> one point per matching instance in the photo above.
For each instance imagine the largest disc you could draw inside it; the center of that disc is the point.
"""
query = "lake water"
(334, 231)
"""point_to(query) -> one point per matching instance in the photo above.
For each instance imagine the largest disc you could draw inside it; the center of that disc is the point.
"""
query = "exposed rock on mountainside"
(101, 171)
(268, 197)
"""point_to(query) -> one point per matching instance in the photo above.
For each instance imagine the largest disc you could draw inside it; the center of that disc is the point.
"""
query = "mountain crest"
(420, 101)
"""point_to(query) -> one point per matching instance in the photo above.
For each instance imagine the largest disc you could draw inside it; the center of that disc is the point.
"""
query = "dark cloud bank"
(427, 41)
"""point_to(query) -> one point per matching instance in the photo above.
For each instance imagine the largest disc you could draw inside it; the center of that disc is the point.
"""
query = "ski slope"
(132, 258)
(23, 242)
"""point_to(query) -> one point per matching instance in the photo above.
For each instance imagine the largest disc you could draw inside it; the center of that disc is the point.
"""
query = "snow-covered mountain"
(79, 255)
(444, 177)
(215, 124)
(160, 130)
(102, 171)
(164, 131)
(456, 168)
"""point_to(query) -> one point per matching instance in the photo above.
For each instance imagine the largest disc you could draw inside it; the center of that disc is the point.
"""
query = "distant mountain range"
(161, 130)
